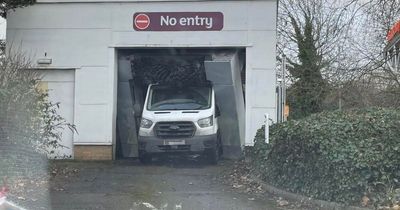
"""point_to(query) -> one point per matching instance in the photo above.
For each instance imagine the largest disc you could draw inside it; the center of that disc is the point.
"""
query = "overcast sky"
(3, 26)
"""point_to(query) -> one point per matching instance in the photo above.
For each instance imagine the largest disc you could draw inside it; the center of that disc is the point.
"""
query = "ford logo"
(174, 127)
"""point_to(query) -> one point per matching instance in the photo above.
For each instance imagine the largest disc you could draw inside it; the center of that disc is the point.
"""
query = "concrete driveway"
(166, 184)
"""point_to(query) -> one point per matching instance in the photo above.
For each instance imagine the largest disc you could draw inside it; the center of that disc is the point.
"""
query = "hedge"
(335, 156)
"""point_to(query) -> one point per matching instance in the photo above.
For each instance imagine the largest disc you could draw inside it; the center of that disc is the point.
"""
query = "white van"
(180, 120)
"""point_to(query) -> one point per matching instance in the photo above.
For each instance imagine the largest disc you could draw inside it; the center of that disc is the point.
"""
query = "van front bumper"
(195, 144)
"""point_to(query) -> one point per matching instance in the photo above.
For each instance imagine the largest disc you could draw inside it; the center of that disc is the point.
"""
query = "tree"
(311, 34)
(381, 15)
(309, 89)
(376, 84)
(6, 5)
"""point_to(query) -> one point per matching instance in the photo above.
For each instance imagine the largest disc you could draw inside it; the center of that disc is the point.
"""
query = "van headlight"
(145, 123)
(206, 122)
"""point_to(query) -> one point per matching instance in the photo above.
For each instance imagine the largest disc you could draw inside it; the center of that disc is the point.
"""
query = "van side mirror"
(217, 111)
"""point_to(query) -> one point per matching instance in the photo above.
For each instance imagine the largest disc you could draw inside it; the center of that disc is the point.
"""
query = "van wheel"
(145, 158)
(213, 155)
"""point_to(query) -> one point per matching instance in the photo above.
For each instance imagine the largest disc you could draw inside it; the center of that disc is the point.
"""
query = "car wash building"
(88, 53)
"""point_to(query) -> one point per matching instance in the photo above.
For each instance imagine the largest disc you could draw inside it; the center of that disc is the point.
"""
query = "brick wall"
(93, 152)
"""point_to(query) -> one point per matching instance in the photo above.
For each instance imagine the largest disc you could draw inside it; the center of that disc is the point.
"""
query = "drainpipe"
(284, 88)
(266, 122)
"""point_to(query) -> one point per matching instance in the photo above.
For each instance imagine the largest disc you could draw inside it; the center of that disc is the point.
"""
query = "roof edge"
(134, 1)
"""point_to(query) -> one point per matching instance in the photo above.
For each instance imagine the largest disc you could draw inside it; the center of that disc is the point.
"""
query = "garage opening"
(180, 71)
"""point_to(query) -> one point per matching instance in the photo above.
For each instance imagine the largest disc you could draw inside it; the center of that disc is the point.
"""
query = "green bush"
(27, 117)
(334, 156)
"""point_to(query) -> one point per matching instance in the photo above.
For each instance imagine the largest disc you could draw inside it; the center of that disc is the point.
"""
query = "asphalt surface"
(170, 183)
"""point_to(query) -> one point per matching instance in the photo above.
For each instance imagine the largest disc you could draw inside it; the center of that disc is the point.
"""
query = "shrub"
(334, 156)
(27, 118)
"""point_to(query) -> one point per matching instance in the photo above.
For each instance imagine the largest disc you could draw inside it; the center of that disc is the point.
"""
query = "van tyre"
(145, 158)
(214, 155)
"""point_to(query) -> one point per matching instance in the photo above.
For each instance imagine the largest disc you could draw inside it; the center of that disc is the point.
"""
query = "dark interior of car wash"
(223, 68)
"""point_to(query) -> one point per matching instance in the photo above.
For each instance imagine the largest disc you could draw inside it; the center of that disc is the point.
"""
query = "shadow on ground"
(172, 161)
(167, 183)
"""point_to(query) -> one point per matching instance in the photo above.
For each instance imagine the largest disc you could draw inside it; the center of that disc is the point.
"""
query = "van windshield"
(174, 98)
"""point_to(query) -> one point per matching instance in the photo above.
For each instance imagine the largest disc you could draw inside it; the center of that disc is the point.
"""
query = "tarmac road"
(171, 183)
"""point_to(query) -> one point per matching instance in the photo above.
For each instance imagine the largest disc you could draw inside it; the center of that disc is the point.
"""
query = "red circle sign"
(142, 21)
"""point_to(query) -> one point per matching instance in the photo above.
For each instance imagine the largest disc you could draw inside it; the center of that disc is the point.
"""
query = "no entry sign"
(142, 21)
(178, 21)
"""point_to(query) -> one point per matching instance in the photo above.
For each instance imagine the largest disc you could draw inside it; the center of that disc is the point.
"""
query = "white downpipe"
(266, 122)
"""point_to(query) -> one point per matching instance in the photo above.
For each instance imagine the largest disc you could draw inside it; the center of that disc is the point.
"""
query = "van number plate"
(181, 142)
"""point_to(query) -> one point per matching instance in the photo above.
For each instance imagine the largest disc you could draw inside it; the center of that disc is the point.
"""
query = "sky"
(3, 26)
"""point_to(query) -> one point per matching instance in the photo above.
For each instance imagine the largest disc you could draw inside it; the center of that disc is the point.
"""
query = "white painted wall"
(84, 36)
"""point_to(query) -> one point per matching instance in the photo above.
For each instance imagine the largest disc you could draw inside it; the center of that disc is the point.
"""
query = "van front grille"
(174, 130)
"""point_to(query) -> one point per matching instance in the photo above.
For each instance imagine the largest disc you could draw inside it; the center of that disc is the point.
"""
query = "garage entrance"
(181, 67)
